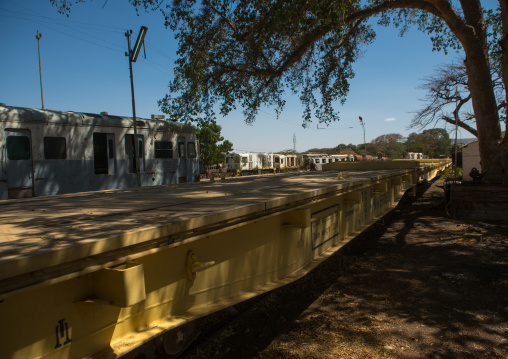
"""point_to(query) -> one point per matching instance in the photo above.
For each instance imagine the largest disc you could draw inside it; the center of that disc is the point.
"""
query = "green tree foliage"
(344, 149)
(287, 152)
(213, 147)
(433, 143)
(249, 52)
(391, 145)
(340, 149)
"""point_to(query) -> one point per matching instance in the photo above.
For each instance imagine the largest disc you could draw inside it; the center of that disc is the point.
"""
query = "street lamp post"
(364, 143)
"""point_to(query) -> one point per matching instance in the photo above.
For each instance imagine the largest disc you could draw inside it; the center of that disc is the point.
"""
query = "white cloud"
(390, 119)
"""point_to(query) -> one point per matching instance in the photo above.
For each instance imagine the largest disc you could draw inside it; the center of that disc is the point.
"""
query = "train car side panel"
(75, 152)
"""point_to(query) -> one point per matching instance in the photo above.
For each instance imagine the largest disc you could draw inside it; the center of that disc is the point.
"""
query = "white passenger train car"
(45, 152)
(260, 160)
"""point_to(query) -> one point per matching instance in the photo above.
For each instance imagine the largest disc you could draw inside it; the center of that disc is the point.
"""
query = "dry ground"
(417, 284)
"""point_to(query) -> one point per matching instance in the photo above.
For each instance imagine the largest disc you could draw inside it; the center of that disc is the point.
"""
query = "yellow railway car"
(99, 274)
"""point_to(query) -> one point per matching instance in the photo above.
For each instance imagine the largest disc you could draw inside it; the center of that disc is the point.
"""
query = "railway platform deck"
(105, 272)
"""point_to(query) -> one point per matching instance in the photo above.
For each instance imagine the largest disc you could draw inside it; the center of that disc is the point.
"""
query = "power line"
(280, 118)
(114, 28)
(118, 48)
(39, 19)
(42, 20)
(162, 69)
(162, 53)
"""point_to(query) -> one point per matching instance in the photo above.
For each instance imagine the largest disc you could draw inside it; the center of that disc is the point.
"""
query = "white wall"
(470, 159)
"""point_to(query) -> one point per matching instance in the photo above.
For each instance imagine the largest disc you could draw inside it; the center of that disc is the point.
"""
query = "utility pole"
(456, 127)
(364, 143)
(133, 55)
(38, 37)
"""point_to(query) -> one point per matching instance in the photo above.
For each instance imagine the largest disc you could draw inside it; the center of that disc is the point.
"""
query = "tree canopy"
(448, 97)
(212, 146)
(433, 143)
(249, 52)
(391, 145)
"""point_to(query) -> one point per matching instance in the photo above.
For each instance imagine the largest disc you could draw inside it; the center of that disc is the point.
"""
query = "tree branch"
(461, 124)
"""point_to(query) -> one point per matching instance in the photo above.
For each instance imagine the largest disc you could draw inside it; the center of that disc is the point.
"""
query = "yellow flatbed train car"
(98, 274)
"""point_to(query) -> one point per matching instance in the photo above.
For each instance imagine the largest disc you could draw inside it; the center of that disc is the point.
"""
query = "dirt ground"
(416, 284)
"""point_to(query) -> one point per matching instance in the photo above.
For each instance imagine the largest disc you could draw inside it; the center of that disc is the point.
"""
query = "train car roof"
(23, 114)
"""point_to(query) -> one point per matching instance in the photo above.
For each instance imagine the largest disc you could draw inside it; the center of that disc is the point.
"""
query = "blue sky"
(84, 68)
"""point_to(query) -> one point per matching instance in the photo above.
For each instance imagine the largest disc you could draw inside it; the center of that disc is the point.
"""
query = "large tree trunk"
(494, 156)
(471, 32)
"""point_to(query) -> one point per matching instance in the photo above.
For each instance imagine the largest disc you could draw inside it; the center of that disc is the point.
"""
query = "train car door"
(182, 160)
(20, 181)
(129, 150)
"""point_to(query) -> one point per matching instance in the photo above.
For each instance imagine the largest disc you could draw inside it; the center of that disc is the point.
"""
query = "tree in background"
(433, 143)
(249, 52)
(213, 148)
(340, 149)
(344, 149)
(237, 160)
(287, 152)
(328, 151)
(448, 98)
(391, 145)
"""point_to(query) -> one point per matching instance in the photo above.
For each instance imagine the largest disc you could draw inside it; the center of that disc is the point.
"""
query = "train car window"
(181, 149)
(191, 149)
(317, 160)
(163, 149)
(55, 148)
(111, 149)
(100, 153)
(18, 148)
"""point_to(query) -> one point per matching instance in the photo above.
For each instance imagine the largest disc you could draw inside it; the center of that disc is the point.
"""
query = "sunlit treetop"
(250, 53)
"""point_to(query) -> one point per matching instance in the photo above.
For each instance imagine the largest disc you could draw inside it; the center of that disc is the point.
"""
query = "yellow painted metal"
(386, 165)
(125, 277)
(370, 165)
(121, 286)
(193, 266)
(380, 187)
